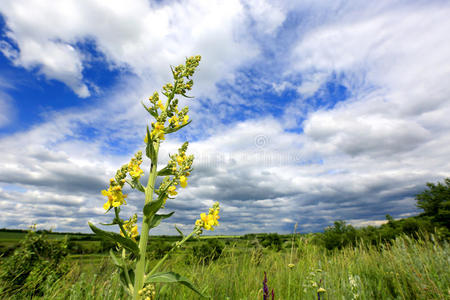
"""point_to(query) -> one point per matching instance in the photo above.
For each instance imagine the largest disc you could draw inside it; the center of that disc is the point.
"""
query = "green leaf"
(184, 95)
(150, 111)
(136, 184)
(150, 150)
(152, 207)
(115, 221)
(179, 231)
(171, 277)
(114, 237)
(116, 261)
(158, 218)
(170, 130)
(167, 170)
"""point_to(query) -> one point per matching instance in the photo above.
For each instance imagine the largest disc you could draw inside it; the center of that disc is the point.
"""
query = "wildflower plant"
(266, 293)
(314, 281)
(137, 275)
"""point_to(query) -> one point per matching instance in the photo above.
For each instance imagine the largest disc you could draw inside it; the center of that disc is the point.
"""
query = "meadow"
(405, 268)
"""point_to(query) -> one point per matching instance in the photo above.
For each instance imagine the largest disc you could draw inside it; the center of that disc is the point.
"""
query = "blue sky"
(304, 112)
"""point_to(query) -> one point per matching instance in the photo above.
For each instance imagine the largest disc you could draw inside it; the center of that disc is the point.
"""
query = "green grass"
(406, 269)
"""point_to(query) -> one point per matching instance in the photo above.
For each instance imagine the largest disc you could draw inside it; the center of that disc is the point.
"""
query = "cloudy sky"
(307, 112)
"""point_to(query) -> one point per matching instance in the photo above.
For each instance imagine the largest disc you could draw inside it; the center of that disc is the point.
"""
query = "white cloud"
(356, 161)
(143, 37)
(393, 49)
(7, 110)
(262, 175)
(392, 61)
(267, 16)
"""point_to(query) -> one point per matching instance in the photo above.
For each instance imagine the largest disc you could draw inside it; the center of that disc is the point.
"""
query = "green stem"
(149, 190)
(140, 266)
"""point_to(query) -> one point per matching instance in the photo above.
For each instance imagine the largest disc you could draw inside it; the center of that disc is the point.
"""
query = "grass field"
(404, 269)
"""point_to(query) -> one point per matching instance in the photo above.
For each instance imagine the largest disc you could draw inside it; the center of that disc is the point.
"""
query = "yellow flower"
(136, 172)
(174, 120)
(180, 159)
(134, 168)
(158, 131)
(134, 232)
(215, 217)
(161, 106)
(131, 228)
(183, 181)
(185, 119)
(208, 221)
(172, 190)
(291, 266)
(115, 197)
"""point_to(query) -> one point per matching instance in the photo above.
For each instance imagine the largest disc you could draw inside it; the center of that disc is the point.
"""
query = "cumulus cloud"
(262, 175)
(392, 60)
(140, 36)
(358, 159)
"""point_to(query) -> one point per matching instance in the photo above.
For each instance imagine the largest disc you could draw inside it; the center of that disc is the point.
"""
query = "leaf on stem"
(116, 261)
(165, 171)
(158, 218)
(172, 277)
(170, 130)
(136, 184)
(184, 95)
(110, 224)
(150, 111)
(179, 231)
(114, 237)
(152, 207)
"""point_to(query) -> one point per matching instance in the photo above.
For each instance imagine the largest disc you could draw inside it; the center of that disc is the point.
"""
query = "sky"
(304, 112)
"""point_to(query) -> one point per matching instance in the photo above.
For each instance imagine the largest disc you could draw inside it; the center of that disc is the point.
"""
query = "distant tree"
(435, 201)
(391, 221)
(208, 251)
(339, 235)
(273, 241)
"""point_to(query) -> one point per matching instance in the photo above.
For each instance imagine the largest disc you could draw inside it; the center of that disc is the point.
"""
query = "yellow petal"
(107, 205)
(203, 217)
(183, 181)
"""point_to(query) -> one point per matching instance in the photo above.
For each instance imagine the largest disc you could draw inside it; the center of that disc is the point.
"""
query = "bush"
(158, 250)
(208, 251)
(272, 241)
(33, 265)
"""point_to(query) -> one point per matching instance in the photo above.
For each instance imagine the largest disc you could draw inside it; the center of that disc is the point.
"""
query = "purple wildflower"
(266, 289)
